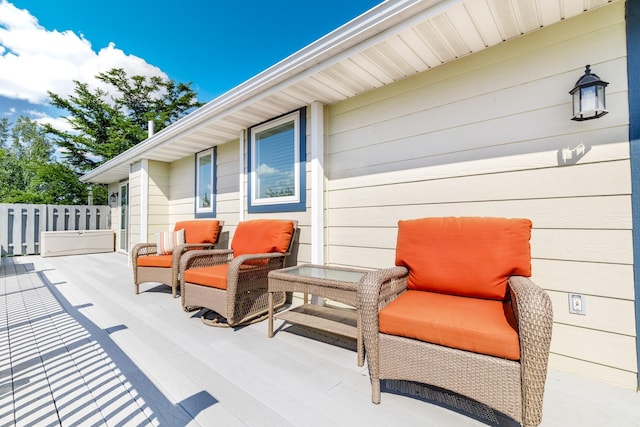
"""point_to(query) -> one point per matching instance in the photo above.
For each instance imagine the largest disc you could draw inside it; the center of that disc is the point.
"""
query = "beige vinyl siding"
(484, 136)
(158, 195)
(135, 200)
(181, 189)
(227, 184)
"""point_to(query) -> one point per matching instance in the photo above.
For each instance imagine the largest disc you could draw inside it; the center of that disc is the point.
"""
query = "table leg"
(270, 332)
(359, 342)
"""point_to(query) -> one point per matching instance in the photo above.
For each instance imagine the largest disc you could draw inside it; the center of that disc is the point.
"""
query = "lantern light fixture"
(589, 97)
(113, 197)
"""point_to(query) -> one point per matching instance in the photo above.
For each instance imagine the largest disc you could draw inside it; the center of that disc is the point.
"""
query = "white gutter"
(313, 57)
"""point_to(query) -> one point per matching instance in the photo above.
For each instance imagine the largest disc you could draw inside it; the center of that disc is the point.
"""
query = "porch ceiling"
(388, 43)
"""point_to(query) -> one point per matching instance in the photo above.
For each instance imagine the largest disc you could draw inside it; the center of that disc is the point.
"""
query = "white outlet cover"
(576, 304)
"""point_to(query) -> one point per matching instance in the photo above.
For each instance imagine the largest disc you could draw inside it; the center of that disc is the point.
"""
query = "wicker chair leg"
(375, 390)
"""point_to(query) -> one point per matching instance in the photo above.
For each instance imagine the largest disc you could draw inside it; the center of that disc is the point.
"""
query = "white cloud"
(35, 60)
(59, 123)
(265, 169)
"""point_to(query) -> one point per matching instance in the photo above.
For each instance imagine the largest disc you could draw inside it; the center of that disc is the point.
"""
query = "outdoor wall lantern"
(588, 97)
(113, 197)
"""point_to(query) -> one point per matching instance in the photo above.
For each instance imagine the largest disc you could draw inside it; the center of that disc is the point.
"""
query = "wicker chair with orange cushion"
(233, 283)
(160, 261)
(459, 312)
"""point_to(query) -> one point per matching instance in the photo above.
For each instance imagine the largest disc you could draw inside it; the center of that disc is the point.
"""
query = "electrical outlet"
(576, 304)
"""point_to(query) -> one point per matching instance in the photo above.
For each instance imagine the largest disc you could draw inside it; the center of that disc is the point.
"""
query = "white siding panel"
(135, 182)
(597, 279)
(182, 184)
(484, 160)
(614, 350)
(607, 178)
(607, 374)
(614, 246)
(363, 237)
(601, 313)
(158, 199)
(361, 257)
(577, 212)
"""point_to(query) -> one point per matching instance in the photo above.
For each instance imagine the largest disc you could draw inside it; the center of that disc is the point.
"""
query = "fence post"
(4, 229)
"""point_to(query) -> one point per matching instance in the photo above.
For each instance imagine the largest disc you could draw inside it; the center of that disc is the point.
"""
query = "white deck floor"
(77, 347)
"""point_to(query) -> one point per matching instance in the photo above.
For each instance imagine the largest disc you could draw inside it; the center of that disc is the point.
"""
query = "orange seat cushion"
(470, 324)
(262, 236)
(199, 231)
(467, 256)
(215, 276)
(155, 261)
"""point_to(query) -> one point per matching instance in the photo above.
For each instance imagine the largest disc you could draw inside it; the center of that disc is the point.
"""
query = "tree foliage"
(29, 173)
(107, 122)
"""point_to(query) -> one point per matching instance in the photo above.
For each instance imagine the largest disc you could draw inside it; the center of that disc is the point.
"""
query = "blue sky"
(45, 44)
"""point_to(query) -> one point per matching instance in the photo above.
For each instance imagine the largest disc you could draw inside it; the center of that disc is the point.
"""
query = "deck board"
(79, 348)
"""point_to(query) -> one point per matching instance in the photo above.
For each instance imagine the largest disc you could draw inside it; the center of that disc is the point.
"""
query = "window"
(277, 159)
(205, 184)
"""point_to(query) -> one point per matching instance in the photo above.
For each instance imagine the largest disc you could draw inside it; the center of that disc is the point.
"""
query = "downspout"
(633, 76)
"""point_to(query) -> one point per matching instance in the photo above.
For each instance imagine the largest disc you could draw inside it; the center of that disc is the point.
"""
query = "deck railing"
(21, 224)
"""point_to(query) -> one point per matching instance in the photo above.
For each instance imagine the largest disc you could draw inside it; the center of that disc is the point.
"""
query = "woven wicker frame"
(246, 295)
(335, 290)
(168, 276)
(515, 388)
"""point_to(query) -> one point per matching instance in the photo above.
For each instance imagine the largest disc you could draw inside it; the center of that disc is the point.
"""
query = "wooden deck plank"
(143, 361)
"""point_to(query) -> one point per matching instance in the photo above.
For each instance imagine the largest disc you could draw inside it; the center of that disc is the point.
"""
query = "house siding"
(158, 195)
(484, 135)
(135, 207)
(181, 189)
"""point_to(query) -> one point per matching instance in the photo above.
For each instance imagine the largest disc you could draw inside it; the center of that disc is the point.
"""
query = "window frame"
(209, 212)
(297, 202)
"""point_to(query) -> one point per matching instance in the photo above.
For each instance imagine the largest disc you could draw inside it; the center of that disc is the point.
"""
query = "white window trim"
(210, 209)
(255, 201)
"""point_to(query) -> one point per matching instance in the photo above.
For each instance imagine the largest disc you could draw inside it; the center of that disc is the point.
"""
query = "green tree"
(29, 172)
(106, 123)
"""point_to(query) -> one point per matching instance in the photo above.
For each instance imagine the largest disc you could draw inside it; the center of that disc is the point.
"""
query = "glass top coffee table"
(335, 283)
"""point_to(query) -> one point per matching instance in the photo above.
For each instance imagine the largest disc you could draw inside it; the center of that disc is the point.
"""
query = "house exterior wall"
(158, 195)
(484, 136)
(135, 204)
(181, 188)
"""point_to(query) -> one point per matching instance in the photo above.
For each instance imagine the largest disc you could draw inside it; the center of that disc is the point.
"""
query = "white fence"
(21, 224)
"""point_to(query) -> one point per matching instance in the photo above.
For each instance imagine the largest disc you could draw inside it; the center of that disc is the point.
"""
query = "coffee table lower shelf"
(341, 322)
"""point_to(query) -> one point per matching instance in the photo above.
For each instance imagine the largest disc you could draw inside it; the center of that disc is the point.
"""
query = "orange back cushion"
(199, 231)
(467, 256)
(262, 236)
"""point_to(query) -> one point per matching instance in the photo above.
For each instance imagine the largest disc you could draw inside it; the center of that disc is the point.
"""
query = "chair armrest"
(180, 250)
(376, 289)
(236, 274)
(534, 314)
(204, 258)
(533, 311)
(142, 249)
(242, 259)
